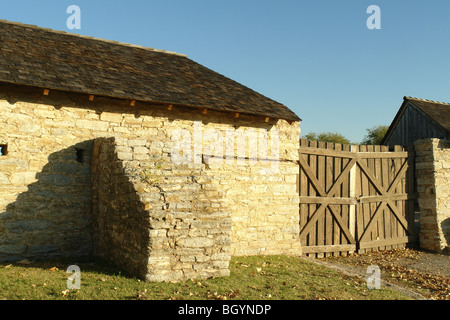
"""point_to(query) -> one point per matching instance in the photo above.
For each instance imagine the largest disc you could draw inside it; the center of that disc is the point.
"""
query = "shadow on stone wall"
(167, 224)
(120, 221)
(53, 217)
(445, 226)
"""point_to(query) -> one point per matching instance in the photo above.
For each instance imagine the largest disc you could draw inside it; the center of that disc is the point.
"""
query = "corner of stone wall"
(157, 220)
(433, 190)
(120, 223)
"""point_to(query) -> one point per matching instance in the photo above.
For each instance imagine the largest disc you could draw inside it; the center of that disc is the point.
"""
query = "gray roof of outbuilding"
(438, 111)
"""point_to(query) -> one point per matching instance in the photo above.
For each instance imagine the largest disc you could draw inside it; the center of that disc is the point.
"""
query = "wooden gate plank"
(354, 191)
(328, 181)
(321, 172)
(303, 191)
(329, 248)
(373, 192)
(348, 154)
(365, 215)
(345, 209)
(379, 198)
(312, 192)
(336, 236)
(384, 242)
(340, 201)
(398, 189)
(410, 209)
(385, 183)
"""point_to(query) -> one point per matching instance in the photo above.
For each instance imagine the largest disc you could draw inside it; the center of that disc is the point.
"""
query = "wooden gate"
(354, 198)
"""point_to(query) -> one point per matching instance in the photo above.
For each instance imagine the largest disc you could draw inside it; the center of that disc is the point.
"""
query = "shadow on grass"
(90, 263)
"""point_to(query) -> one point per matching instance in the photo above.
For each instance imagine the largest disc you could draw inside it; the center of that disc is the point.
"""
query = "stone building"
(139, 155)
(424, 126)
(433, 189)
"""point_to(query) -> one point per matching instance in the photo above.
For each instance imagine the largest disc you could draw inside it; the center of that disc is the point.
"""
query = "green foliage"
(333, 137)
(375, 135)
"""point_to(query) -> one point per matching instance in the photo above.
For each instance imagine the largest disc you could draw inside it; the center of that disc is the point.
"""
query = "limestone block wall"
(44, 179)
(156, 220)
(120, 223)
(254, 165)
(216, 165)
(262, 195)
(433, 188)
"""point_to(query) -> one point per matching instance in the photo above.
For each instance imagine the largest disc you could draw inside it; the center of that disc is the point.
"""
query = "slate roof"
(40, 57)
(438, 111)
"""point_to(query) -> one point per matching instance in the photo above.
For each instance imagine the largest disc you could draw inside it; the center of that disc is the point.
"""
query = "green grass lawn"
(255, 278)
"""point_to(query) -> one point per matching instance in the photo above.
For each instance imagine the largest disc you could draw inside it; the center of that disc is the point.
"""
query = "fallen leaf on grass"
(141, 295)
(176, 298)
(234, 293)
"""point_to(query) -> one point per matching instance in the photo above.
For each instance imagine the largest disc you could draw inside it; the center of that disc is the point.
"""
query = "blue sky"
(317, 57)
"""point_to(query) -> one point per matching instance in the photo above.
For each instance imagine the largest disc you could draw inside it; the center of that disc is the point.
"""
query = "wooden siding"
(413, 125)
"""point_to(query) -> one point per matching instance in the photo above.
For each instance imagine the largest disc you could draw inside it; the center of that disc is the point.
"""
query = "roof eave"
(295, 118)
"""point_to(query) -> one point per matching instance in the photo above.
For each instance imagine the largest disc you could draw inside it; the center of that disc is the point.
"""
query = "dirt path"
(422, 275)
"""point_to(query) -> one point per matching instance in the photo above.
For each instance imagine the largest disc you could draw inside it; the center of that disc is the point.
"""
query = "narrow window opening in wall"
(80, 155)
(3, 149)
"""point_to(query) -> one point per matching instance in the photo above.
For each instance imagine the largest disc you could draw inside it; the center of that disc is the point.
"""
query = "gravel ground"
(428, 262)
(422, 274)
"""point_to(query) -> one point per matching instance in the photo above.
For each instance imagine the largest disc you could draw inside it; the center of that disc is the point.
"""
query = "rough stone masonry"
(433, 188)
(82, 177)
